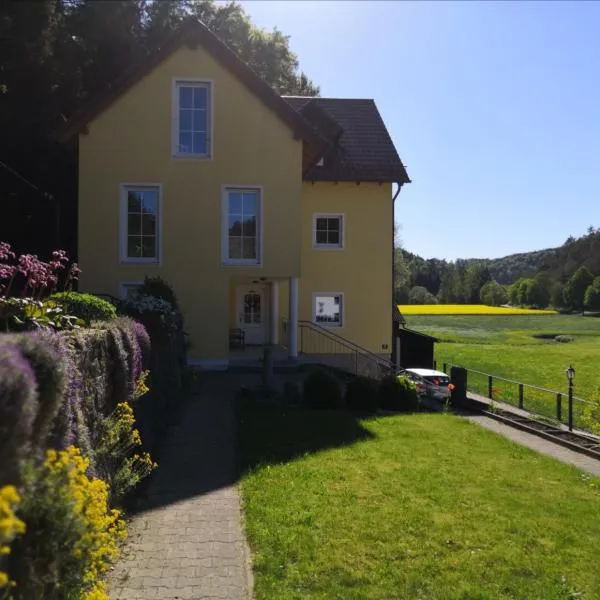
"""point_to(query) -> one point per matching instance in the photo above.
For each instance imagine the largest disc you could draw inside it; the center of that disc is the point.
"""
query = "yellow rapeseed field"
(467, 309)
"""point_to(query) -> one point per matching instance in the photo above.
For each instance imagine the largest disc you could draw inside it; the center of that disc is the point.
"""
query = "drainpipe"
(399, 184)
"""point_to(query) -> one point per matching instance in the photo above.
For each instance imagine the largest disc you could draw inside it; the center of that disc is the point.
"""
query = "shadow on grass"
(270, 433)
(217, 436)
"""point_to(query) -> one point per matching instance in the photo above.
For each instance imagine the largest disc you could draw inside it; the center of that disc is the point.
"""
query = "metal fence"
(541, 401)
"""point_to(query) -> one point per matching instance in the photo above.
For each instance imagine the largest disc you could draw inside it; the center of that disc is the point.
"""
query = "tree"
(477, 275)
(513, 292)
(577, 286)
(493, 294)
(557, 295)
(537, 294)
(523, 294)
(420, 295)
(55, 55)
(592, 295)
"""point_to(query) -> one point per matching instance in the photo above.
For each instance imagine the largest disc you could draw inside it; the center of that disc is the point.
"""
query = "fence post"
(570, 405)
(490, 393)
(559, 406)
(444, 368)
(435, 365)
(520, 395)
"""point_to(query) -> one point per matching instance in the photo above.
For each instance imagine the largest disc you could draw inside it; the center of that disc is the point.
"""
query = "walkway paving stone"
(186, 539)
(566, 455)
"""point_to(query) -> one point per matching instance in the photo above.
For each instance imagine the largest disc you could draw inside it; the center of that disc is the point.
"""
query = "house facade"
(263, 212)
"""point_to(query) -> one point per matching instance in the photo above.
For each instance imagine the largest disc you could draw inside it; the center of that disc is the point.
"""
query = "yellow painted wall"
(130, 142)
(362, 270)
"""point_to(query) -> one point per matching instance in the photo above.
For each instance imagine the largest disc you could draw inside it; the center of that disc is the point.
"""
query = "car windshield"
(437, 380)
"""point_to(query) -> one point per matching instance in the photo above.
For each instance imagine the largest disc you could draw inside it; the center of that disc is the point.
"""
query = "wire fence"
(544, 402)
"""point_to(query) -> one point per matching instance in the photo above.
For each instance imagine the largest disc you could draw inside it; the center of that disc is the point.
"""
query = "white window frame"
(342, 218)
(342, 323)
(123, 285)
(123, 213)
(241, 262)
(193, 82)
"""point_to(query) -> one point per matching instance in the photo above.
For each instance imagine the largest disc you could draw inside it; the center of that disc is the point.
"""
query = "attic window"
(192, 119)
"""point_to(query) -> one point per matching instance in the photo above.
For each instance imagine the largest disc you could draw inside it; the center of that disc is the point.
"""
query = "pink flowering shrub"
(36, 280)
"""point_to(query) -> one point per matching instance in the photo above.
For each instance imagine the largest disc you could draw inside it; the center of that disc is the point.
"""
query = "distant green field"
(505, 346)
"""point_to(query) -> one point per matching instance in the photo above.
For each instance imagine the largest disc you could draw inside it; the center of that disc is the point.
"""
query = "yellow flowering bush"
(10, 526)
(115, 448)
(72, 536)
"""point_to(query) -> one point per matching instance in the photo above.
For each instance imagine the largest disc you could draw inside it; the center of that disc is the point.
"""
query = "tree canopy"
(56, 54)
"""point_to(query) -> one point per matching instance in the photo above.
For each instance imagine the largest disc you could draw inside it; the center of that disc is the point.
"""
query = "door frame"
(256, 335)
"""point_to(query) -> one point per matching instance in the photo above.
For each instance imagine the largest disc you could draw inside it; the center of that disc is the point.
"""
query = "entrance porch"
(257, 308)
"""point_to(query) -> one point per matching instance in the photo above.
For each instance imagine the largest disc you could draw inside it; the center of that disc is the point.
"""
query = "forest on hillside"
(56, 55)
(560, 277)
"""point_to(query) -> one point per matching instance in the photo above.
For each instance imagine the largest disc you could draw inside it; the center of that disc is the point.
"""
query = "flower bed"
(76, 421)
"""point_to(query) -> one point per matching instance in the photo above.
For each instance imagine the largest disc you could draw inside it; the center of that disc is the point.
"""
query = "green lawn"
(412, 506)
(506, 346)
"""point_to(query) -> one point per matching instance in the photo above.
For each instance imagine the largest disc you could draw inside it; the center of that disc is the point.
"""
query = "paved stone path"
(581, 461)
(186, 542)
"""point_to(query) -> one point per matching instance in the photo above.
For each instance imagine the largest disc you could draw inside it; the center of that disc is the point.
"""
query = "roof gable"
(360, 149)
(193, 33)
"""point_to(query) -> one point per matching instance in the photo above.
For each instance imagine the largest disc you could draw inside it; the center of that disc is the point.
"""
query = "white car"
(430, 383)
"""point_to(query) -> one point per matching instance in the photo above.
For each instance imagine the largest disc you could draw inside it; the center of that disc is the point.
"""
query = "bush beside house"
(74, 411)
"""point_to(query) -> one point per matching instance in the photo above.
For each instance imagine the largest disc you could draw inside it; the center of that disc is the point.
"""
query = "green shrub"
(159, 288)
(398, 394)
(291, 392)
(362, 394)
(86, 307)
(321, 390)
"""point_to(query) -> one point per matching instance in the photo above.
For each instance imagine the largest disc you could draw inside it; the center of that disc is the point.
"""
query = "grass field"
(505, 346)
(468, 309)
(424, 506)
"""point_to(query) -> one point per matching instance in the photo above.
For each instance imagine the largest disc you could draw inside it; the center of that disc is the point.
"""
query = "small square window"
(328, 231)
(128, 289)
(328, 309)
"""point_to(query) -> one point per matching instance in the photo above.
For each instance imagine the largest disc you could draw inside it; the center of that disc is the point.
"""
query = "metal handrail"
(345, 342)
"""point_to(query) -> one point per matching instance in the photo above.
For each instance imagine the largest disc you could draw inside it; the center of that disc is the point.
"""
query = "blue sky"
(494, 108)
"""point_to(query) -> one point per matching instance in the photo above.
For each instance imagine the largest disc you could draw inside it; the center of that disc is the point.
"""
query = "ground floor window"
(328, 309)
(128, 289)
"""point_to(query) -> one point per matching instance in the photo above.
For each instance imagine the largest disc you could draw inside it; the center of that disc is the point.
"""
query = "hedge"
(67, 406)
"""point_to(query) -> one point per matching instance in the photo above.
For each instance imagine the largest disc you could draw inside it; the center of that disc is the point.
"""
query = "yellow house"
(271, 217)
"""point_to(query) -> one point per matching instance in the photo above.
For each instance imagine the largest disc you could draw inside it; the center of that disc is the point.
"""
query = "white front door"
(252, 313)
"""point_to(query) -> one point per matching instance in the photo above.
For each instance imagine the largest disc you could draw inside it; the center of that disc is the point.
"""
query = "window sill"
(194, 157)
(140, 261)
(239, 263)
(327, 326)
(328, 248)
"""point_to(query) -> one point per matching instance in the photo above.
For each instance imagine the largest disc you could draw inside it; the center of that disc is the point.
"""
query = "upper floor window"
(192, 119)
(140, 224)
(241, 226)
(328, 231)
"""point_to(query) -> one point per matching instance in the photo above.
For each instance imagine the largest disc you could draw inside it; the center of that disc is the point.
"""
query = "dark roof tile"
(363, 149)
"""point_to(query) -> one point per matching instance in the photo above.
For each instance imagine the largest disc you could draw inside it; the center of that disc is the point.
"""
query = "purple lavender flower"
(5, 251)
(17, 411)
(143, 341)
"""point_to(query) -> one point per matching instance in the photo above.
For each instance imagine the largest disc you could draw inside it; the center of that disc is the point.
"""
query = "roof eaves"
(192, 32)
